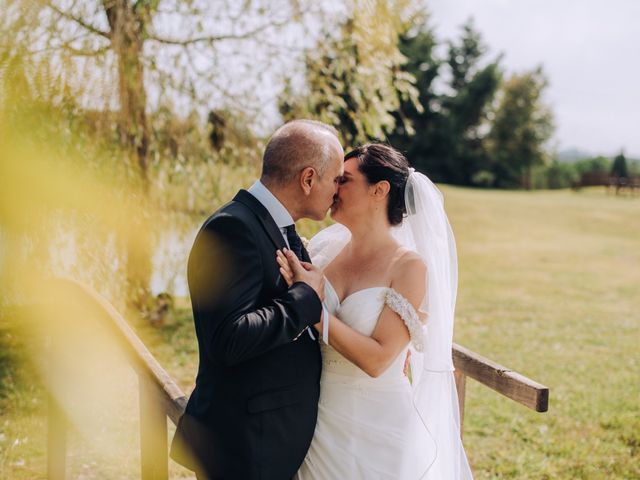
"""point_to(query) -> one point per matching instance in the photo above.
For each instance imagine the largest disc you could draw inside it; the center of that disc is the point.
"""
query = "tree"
(124, 52)
(355, 81)
(137, 44)
(619, 168)
(522, 125)
(449, 139)
(415, 132)
(474, 88)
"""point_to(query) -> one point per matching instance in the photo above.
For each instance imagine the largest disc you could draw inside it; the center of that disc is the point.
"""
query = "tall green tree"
(522, 125)
(619, 167)
(416, 132)
(474, 87)
(448, 138)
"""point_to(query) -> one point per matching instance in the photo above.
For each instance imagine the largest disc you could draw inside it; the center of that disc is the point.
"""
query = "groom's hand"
(293, 271)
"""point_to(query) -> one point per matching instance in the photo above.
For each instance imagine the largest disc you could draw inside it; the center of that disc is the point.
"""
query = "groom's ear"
(307, 179)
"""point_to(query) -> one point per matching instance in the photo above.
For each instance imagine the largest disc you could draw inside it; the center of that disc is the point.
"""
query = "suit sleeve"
(225, 280)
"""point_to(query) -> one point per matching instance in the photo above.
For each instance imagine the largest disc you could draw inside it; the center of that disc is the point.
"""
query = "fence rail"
(160, 397)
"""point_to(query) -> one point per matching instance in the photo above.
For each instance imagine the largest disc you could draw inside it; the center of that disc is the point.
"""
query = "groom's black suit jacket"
(253, 410)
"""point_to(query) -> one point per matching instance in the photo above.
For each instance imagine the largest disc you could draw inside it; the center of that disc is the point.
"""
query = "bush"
(634, 167)
(483, 178)
(561, 175)
(595, 164)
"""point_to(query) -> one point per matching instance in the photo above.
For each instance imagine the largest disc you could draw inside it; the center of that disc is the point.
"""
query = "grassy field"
(549, 287)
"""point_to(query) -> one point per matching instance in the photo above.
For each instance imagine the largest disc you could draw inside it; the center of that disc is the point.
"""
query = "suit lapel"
(266, 220)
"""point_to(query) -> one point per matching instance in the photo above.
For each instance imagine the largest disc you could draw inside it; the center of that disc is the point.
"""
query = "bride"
(391, 280)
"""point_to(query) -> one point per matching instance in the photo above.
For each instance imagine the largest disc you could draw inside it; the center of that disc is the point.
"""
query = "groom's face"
(326, 186)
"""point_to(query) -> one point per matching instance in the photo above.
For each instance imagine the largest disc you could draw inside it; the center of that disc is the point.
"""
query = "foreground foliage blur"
(115, 145)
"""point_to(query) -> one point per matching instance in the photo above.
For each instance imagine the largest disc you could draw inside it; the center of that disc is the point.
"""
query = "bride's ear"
(308, 177)
(381, 189)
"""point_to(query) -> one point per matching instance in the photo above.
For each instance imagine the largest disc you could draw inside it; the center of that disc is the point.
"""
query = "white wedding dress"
(365, 424)
(388, 427)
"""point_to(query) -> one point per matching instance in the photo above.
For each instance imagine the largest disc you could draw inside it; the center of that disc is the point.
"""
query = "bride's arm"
(374, 354)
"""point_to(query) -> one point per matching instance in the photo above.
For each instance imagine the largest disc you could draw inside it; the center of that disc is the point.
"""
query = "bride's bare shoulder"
(407, 259)
(408, 268)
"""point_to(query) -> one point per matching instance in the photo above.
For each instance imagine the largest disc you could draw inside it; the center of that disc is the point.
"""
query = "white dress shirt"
(280, 215)
(278, 212)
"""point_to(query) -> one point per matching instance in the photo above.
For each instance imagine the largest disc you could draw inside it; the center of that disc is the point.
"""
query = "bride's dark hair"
(377, 162)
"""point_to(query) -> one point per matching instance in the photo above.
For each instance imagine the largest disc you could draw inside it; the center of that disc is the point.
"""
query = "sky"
(589, 50)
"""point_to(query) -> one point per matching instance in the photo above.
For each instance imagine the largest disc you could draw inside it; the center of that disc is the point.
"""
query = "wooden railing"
(511, 384)
(160, 397)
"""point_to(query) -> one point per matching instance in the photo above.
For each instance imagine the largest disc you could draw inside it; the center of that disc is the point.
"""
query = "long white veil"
(427, 231)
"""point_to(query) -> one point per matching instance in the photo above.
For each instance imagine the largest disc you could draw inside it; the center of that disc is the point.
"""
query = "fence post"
(56, 417)
(56, 440)
(154, 457)
(461, 382)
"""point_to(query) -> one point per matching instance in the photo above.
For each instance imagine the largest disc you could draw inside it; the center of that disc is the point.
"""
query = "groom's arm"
(225, 280)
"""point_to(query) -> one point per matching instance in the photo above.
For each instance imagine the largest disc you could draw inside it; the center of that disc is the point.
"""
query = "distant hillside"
(570, 155)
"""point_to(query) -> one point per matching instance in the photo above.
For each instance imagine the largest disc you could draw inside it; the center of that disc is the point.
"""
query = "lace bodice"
(360, 311)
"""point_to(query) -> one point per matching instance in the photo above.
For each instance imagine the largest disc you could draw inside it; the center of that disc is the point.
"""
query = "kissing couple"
(330, 361)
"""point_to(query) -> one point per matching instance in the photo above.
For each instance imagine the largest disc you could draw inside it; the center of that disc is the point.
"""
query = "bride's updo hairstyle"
(378, 162)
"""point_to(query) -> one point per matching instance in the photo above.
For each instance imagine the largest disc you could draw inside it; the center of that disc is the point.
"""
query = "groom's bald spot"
(296, 145)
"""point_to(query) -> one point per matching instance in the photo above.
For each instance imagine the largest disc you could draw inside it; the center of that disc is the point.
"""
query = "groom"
(253, 410)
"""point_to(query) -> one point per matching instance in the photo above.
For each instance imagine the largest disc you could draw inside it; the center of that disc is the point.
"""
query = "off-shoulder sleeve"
(399, 304)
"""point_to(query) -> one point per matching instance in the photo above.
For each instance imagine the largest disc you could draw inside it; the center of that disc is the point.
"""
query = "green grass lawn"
(549, 287)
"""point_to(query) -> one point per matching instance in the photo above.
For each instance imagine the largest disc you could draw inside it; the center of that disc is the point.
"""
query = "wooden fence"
(160, 397)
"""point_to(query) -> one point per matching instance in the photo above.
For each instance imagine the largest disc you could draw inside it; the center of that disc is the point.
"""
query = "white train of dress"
(367, 427)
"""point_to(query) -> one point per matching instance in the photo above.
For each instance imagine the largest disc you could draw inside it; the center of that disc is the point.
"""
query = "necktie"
(295, 243)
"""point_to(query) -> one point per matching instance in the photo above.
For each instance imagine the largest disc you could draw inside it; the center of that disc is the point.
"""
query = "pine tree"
(619, 168)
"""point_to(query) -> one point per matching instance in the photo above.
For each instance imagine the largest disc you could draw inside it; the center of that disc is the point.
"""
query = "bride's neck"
(368, 240)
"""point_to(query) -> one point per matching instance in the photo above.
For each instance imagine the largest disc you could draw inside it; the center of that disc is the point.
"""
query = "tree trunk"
(127, 24)
(526, 177)
(127, 28)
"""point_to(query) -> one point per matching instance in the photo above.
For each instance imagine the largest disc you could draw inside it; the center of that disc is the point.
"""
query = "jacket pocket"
(273, 399)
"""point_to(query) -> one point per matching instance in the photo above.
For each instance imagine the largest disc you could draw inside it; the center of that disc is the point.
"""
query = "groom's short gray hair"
(294, 146)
